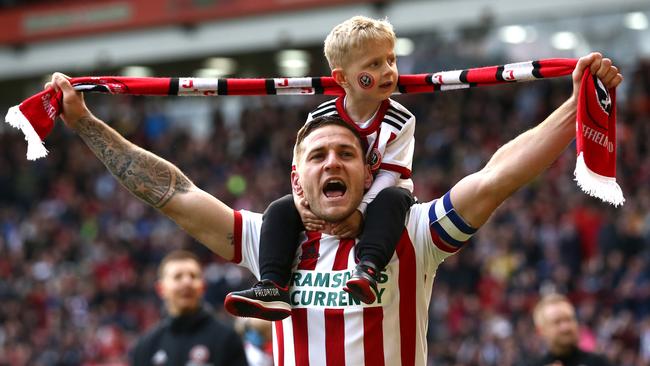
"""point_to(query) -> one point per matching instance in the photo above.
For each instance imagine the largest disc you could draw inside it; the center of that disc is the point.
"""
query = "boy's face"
(370, 72)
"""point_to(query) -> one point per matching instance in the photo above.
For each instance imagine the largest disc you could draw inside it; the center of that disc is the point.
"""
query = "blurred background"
(78, 254)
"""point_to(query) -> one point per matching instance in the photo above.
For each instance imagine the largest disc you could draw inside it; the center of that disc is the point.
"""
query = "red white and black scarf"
(596, 122)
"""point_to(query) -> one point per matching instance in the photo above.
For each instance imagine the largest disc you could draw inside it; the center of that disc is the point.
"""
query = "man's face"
(181, 286)
(371, 73)
(559, 327)
(331, 174)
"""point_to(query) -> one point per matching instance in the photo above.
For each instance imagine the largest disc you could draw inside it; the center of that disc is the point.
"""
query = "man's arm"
(154, 180)
(519, 161)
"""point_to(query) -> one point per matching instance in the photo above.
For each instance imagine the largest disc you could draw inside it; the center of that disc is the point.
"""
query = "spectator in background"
(555, 320)
(190, 334)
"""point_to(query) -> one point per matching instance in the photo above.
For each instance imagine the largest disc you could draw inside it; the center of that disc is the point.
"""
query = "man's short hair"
(546, 300)
(176, 255)
(353, 34)
(323, 121)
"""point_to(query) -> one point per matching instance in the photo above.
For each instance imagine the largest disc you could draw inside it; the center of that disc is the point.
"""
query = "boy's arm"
(152, 179)
(384, 179)
(398, 155)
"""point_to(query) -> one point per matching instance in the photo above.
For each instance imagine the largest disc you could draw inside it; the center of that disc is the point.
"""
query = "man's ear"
(295, 184)
(339, 77)
(367, 179)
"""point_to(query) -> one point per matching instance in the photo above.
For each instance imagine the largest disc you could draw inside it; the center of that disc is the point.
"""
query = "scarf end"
(35, 147)
(596, 185)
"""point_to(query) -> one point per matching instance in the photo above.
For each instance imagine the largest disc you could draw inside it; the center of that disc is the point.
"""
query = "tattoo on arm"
(149, 177)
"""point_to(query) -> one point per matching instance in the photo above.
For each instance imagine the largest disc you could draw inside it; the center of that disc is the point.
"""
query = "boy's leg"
(382, 229)
(269, 298)
(281, 226)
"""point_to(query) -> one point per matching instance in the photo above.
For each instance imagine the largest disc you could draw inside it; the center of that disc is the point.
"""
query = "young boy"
(361, 56)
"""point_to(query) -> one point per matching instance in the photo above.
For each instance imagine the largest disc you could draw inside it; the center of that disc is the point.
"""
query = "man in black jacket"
(190, 335)
(555, 320)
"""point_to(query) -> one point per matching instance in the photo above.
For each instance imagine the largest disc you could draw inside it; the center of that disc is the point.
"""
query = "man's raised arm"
(154, 180)
(519, 161)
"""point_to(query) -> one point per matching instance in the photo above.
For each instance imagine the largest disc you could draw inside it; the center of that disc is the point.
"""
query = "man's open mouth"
(387, 84)
(334, 188)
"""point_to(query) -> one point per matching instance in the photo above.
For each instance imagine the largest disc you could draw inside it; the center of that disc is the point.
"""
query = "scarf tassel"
(35, 146)
(596, 185)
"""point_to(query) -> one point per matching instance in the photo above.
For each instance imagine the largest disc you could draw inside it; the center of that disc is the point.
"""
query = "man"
(190, 335)
(555, 320)
(327, 326)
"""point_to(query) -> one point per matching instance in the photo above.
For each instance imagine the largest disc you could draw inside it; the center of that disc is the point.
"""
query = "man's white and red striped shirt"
(328, 327)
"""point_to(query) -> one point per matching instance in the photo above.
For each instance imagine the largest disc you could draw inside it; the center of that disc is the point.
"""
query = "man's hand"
(349, 228)
(74, 108)
(600, 67)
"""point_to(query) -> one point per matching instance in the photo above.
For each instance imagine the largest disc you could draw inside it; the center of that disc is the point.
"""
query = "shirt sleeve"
(247, 240)
(438, 230)
(384, 179)
(398, 155)
(418, 226)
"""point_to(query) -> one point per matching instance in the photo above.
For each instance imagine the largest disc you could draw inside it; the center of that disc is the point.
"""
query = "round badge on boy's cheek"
(366, 80)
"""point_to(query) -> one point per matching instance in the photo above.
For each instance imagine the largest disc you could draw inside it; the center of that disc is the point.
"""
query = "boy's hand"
(349, 228)
(309, 220)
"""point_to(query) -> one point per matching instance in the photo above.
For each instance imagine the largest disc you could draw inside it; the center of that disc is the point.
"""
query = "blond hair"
(550, 299)
(353, 34)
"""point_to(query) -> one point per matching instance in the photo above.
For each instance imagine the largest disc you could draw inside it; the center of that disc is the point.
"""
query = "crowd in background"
(78, 253)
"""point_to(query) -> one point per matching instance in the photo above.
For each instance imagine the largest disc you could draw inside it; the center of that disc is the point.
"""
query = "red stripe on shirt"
(405, 173)
(373, 126)
(407, 303)
(334, 337)
(342, 254)
(373, 336)
(236, 237)
(310, 251)
(441, 243)
(300, 340)
(279, 333)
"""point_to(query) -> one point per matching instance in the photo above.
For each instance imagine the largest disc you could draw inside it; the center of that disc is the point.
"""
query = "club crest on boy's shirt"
(374, 159)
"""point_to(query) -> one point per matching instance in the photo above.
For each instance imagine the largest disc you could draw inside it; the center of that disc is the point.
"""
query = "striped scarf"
(596, 122)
